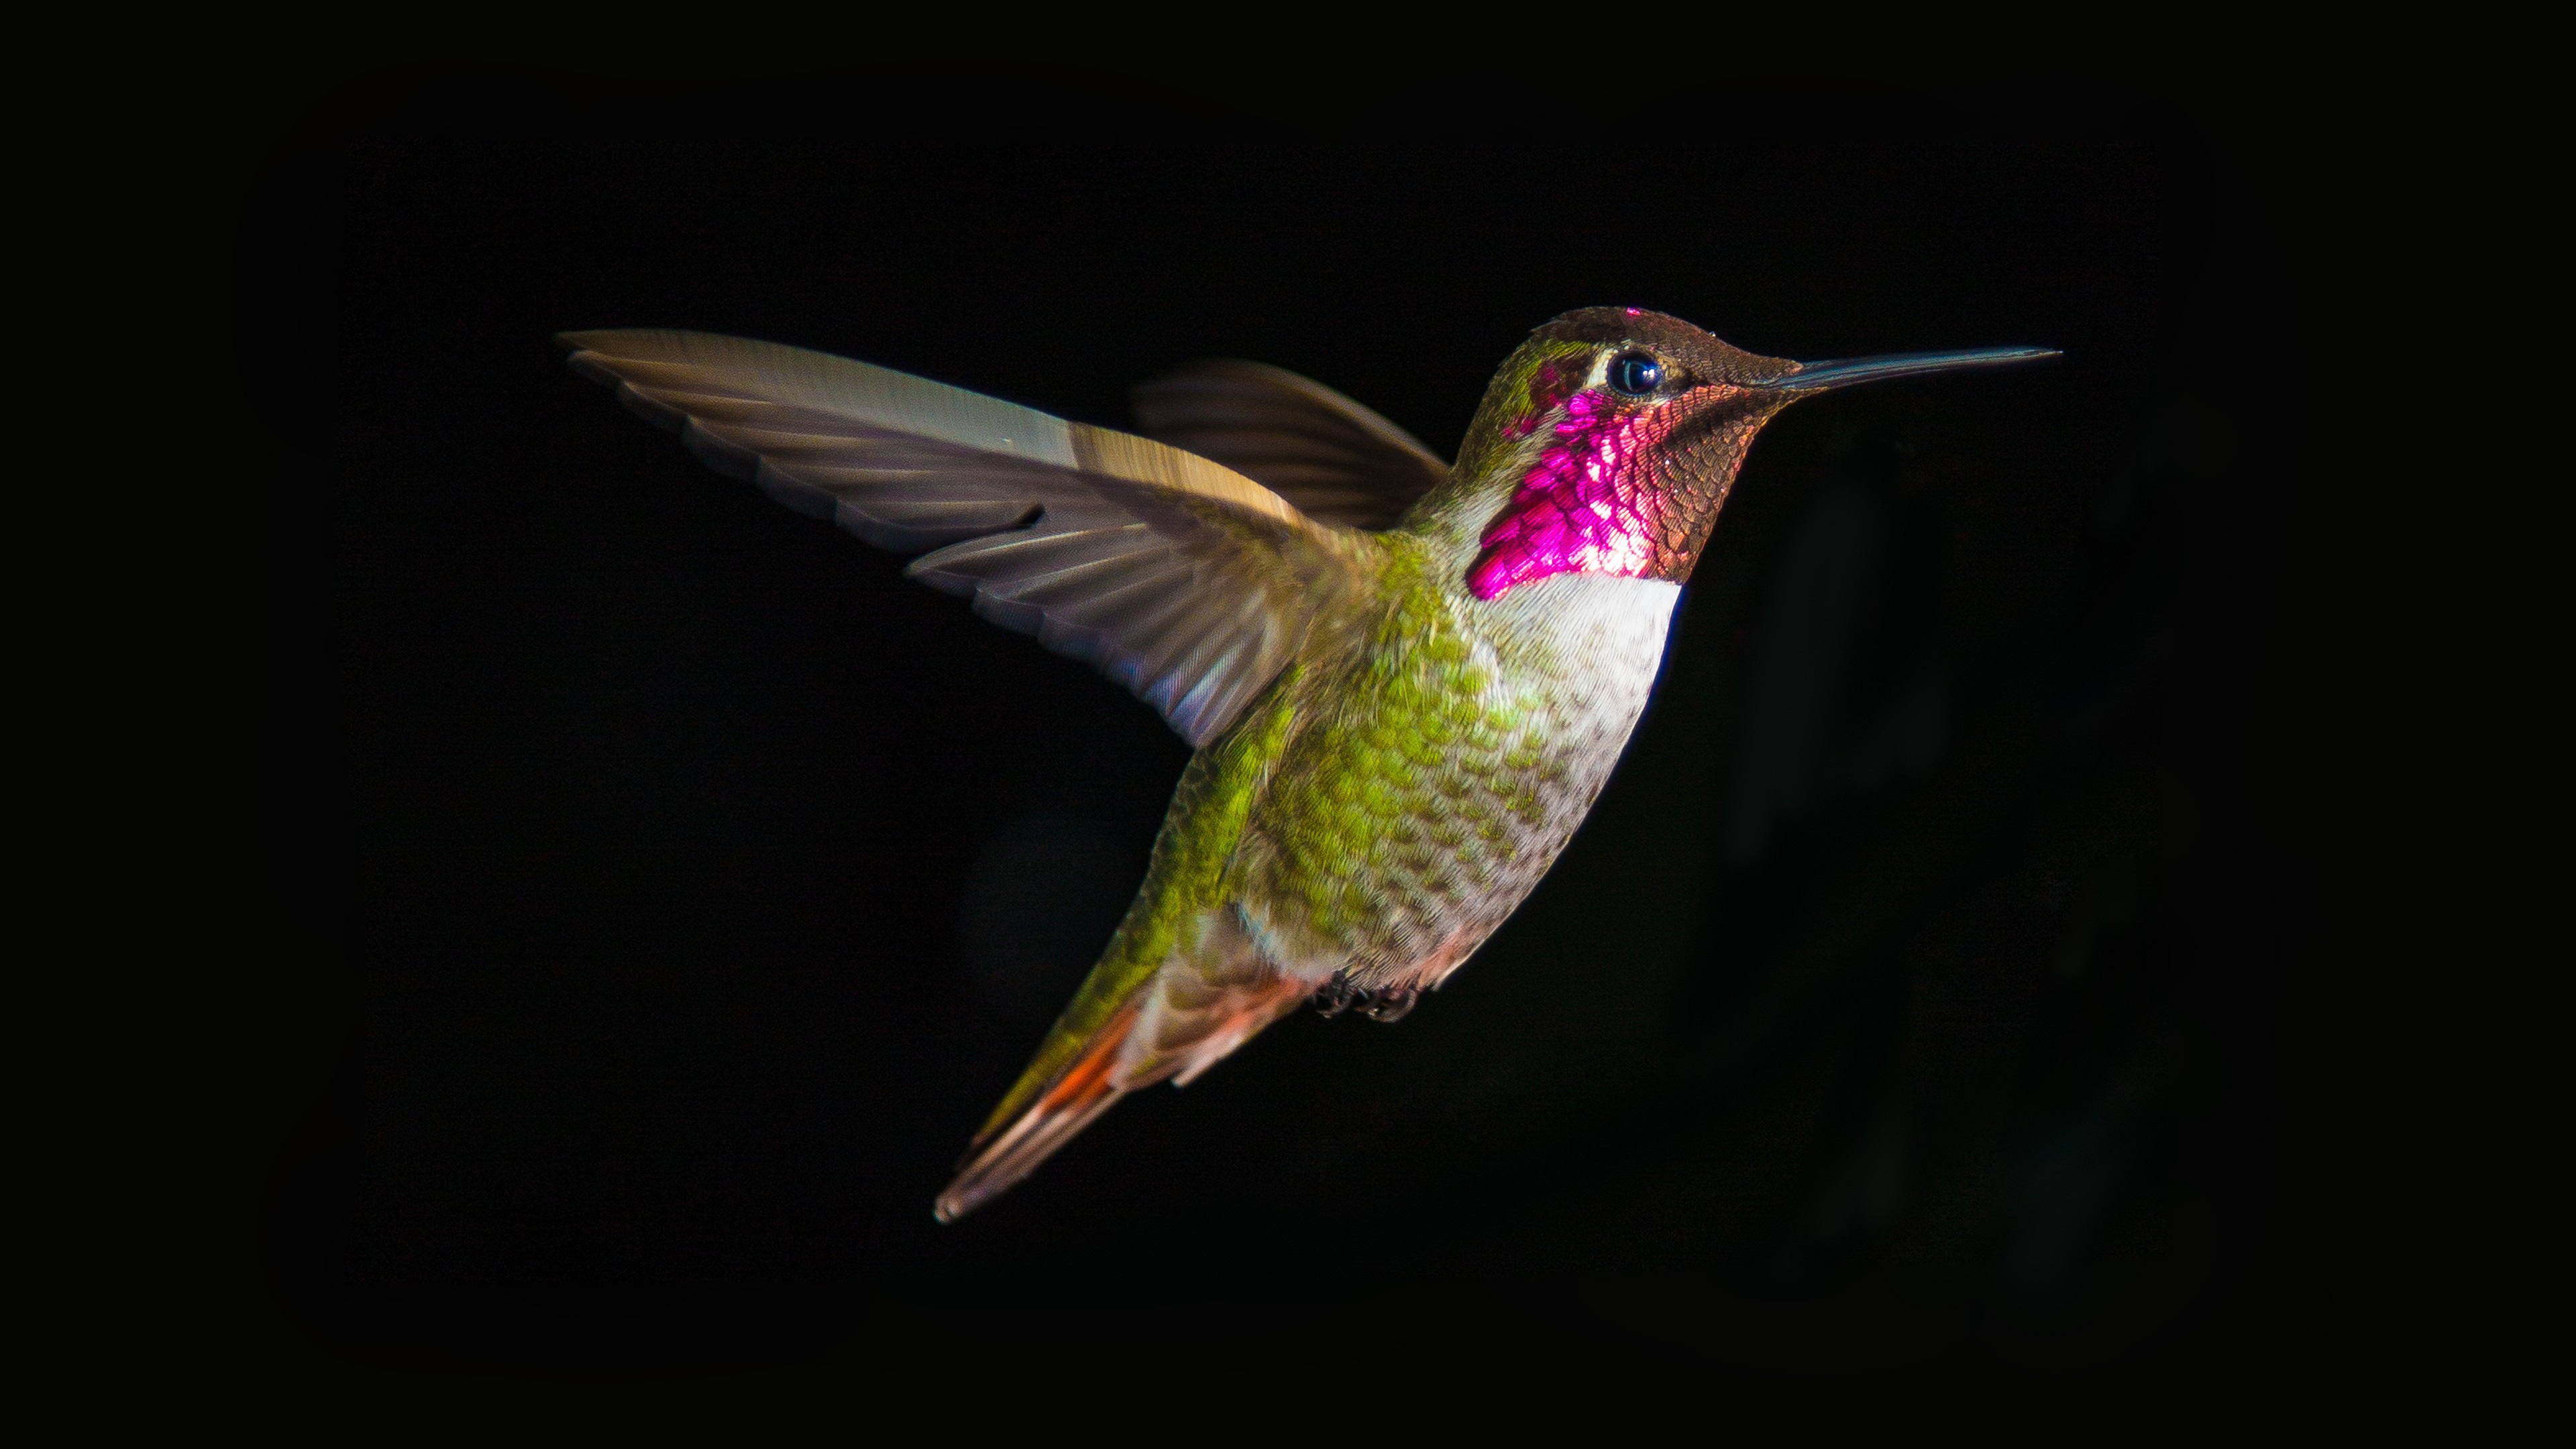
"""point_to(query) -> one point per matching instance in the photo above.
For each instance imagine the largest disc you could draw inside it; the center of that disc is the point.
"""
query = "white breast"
(1586, 648)
(1598, 641)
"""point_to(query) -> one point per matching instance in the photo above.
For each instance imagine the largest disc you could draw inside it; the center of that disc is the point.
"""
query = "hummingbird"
(1405, 681)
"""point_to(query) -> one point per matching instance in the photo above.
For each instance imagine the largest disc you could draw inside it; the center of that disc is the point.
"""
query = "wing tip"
(587, 364)
(605, 340)
(592, 349)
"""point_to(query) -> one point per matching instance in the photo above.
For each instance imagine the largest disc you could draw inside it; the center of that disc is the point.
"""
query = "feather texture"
(1323, 452)
(1181, 578)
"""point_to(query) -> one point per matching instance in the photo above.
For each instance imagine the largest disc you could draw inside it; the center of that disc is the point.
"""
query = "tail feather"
(998, 1160)
(1198, 1006)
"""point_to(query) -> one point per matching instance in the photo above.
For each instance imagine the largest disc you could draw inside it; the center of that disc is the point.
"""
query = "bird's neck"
(1503, 443)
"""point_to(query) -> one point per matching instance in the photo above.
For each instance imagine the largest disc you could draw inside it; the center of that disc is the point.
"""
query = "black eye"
(1636, 373)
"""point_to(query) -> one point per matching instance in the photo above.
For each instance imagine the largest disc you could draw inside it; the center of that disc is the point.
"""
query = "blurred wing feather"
(1331, 457)
(1179, 577)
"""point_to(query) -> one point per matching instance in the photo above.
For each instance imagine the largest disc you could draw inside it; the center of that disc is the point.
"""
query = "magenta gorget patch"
(1587, 506)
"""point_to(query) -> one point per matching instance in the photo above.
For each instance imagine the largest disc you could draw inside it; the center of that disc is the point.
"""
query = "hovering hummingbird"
(1406, 681)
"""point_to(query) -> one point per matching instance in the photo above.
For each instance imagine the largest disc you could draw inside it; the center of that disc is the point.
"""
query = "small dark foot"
(1336, 997)
(1385, 1005)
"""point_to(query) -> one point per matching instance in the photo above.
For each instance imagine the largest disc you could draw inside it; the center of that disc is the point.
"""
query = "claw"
(1392, 1004)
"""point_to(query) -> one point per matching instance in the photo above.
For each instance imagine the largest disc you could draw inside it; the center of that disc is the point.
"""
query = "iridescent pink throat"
(1587, 507)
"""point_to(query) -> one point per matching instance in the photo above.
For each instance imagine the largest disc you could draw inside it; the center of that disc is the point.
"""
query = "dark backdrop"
(665, 889)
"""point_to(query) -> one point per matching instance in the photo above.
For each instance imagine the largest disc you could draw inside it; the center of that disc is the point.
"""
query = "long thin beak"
(1846, 371)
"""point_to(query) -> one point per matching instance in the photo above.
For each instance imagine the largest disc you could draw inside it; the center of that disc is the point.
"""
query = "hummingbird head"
(1607, 442)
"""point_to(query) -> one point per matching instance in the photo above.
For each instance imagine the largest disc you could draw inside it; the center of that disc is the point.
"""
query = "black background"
(665, 889)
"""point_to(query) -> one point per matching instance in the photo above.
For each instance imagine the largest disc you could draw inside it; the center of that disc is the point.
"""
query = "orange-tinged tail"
(1125, 1031)
(1000, 1158)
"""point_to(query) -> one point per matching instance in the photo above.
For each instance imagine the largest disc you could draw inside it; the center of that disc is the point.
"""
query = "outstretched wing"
(1321, 451)
(1184, 580)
